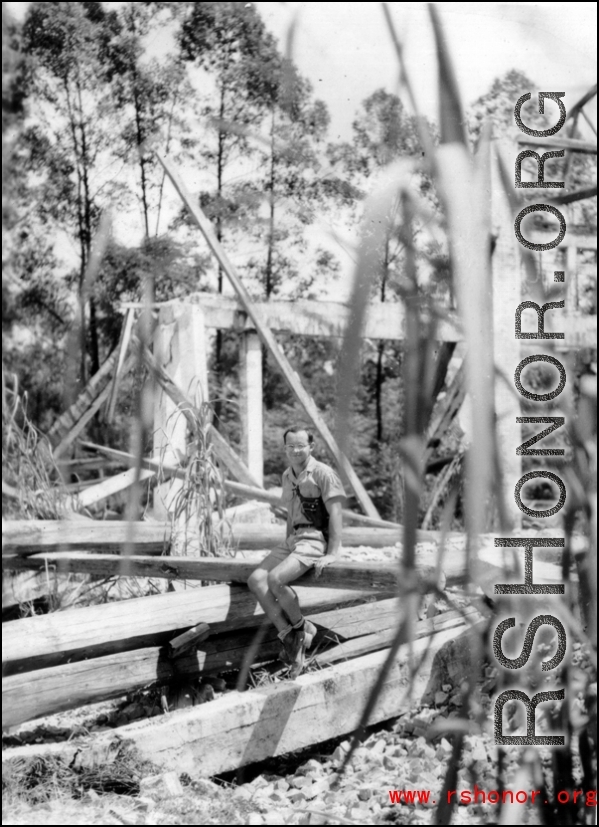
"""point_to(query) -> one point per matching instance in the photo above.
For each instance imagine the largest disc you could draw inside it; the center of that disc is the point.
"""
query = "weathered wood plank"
(243, 728)
(362, 645)
(384, 320)
(69, 685)
(188, 640)
(69, 418)
(31, 536)
(93, 631)
(449, 407)
(571, 144)
(581, 242)
(340, 575)
(88, 414)
(45, 691)
(263, 330)
(108, 487)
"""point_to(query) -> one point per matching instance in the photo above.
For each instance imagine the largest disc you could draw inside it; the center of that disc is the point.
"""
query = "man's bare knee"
(274, 582)
(256, 581)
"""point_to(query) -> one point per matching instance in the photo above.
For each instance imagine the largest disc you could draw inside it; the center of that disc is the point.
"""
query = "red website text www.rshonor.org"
(478, 796)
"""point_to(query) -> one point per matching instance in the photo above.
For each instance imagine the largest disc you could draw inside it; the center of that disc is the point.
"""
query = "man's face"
(298, 448)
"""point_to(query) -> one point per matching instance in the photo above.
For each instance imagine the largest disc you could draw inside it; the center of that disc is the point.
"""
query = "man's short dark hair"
(295, 429)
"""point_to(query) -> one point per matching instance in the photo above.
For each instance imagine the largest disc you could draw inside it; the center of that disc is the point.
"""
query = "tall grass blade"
(451, 116)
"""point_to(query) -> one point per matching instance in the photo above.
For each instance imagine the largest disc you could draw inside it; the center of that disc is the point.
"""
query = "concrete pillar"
(250, 404)
(180, 347)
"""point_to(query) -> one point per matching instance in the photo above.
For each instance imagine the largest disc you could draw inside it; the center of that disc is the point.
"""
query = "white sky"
(345, 48)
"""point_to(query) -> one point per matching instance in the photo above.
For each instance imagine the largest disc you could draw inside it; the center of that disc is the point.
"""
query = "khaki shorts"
(306, 545)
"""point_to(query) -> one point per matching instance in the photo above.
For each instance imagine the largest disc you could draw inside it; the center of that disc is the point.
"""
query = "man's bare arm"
(333, 506)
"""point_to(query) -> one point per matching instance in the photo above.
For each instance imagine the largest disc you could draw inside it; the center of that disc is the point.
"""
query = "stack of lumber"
(61, 660)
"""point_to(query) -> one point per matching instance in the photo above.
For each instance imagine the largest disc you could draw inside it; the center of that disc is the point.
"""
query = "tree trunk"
(82, 379)
(378, 390)
(220, 163)
(268, 280)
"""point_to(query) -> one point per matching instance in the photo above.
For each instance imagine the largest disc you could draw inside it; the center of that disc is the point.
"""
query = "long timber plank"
(32, 536)
(243, 728)
(93, 631)
(47, 691)
(341, 575)
(384, 320)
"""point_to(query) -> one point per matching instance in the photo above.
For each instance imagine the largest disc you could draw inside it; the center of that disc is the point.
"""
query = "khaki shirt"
(316, 480)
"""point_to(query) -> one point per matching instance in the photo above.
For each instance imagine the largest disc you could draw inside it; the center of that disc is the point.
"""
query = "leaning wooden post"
(507, 290)
(250, 407)
(180, 348)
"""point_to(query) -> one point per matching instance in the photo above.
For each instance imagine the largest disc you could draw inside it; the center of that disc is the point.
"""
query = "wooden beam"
(575, 195)
(571, 144)
(238, 729)
(231, 460)
(88, 414)
(22, 537)
(579, 105)
(123, 347)
(31, 536)
(188, 640)
(48, 691)
(581, 242)
(93, 631)
(446, 412)
(362, 645)
(108, 487)
(305, 317)
(81, 423)
(69, 418)
(440, 488)
(53, 689)
(384, 320)
(270, 342)
(342, 575)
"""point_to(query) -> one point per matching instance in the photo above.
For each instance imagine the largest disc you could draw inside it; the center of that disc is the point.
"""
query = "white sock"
(283, 634)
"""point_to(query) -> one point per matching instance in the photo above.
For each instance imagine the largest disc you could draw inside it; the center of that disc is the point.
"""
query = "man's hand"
(325, 561)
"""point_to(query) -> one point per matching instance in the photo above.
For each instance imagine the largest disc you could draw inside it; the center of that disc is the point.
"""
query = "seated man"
(313, 495)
